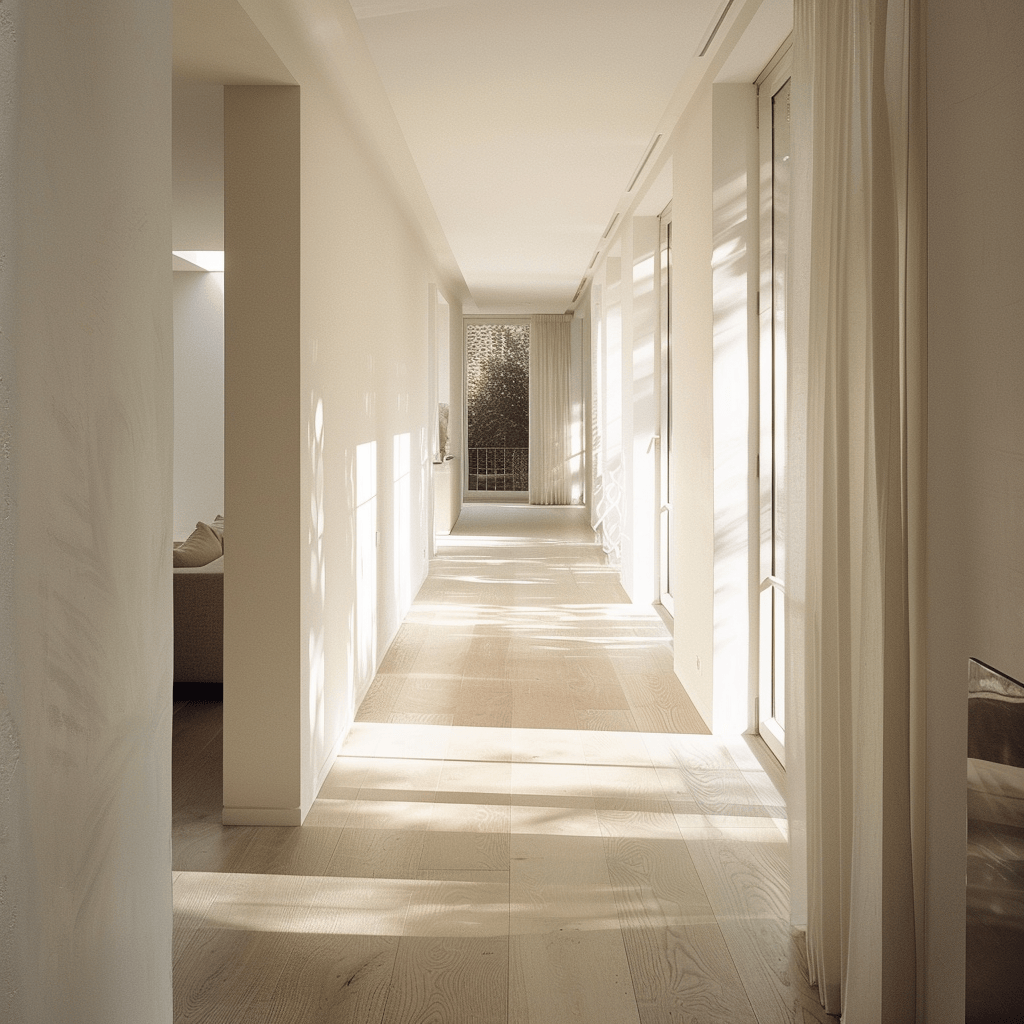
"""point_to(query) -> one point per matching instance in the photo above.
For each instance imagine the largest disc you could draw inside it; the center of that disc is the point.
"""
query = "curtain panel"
(854, 593)
(551, 448)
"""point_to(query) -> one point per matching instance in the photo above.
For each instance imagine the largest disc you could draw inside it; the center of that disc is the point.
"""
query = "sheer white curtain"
(856, 488)
(551, 448)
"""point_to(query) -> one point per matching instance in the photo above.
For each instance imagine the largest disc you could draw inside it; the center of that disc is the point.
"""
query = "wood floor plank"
(747, 886)
(464, 851)
(680, 718)
(376, 853)
(484, 706)
(480, 743)
(725, 798)
(379, 700)
(429, 742)
(482, 816)
(449, 979)
(588, 688)
(361, 905)
(330, 978)
(237, 953)
(618, 748)
(567, 960)
(213, 971)
(286, 851)
(599, 720)
(681, 966)
(542, 710)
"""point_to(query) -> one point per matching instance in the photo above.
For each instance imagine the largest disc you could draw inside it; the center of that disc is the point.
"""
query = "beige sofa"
(199, 606)
(199, 623)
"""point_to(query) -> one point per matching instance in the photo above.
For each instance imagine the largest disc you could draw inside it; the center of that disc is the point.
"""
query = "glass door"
(774, 128)
(664, 439)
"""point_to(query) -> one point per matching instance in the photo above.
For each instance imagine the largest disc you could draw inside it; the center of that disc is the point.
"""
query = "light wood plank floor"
(527, 823)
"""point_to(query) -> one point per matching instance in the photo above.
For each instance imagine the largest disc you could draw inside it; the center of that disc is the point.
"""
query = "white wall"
(975, 423)
(714, 379)
(608, 508)
(641, 399)
(85, 512)
(357, 426)
(365, 343)
(197, 177)
(693, 404)
(197, 165)
(198, 399)
(734, 262)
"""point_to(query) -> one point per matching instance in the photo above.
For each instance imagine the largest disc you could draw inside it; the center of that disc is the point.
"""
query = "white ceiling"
(526, 120)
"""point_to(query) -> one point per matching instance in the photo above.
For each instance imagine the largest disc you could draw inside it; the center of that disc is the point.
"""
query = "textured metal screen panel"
(498, 406)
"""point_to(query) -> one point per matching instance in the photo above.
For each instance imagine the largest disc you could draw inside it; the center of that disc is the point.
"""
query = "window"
(497, 406)
(774, 129)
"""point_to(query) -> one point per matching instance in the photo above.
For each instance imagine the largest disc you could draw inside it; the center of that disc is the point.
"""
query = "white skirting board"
(261, 816)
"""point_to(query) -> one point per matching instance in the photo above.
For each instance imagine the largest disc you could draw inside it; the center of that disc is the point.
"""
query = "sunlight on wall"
(366, 561)
(317, 569)
(609, 505)
(577, 426)
(645, 398)
(401, 501)
(731, 269)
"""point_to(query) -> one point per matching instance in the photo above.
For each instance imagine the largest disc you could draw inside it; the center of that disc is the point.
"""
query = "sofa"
(199, 607)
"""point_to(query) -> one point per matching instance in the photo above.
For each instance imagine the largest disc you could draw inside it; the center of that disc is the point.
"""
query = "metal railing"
(499, 469)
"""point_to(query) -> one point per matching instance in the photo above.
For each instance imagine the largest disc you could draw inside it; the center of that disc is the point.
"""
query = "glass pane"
(780, 270)
(498, 406)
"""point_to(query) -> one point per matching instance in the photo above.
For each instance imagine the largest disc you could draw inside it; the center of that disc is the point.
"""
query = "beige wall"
(85, 512)
(975, 423)
(198, 399)
(197, 165)
(264, 729)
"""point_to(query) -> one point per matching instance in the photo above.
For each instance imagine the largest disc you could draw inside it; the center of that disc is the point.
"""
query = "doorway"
(497, 409)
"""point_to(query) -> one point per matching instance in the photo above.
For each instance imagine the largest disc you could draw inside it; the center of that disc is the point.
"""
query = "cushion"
(201, 548)
(218, 528)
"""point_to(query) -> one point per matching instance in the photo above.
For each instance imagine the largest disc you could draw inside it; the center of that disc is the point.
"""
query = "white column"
(265, 737)
(86, 371)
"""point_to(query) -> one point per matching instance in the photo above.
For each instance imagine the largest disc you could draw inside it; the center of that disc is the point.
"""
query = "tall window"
(498, 406)
(664, 442)
(773, 100)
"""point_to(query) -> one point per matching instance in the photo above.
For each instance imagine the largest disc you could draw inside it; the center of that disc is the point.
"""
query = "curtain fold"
(551, 448)
(854, 589)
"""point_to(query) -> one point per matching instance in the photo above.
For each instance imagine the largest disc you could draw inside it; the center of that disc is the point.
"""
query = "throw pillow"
(202, 547)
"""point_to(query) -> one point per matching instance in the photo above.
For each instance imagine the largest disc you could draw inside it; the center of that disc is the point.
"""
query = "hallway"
(527, 823)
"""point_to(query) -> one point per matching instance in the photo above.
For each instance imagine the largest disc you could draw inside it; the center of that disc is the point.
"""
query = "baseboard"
(261, 816)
